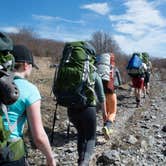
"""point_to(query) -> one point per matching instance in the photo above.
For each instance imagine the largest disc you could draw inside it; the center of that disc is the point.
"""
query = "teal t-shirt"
(29, 94)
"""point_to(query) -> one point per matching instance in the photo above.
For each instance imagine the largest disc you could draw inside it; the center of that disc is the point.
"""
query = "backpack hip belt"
(12, 151)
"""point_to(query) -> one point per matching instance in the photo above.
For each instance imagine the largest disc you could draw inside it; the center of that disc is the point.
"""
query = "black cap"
(23, 54)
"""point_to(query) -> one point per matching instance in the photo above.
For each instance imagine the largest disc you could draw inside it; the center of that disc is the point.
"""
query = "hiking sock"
(108, 124)
(138, 102)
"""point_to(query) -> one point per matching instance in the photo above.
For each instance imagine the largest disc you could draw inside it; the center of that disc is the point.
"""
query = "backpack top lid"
(78, 51)
(103, 59)
(136, 54)
(89, 49)
(135, 61)
(145, 57)
(6, 43)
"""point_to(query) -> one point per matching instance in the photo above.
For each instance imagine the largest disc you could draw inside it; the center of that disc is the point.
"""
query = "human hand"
(105, 115)
(51, 163)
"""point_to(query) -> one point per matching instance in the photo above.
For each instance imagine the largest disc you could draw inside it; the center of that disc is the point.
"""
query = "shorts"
(138, 82)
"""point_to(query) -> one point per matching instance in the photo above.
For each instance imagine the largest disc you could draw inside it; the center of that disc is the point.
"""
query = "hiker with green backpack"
(77, 87)
(145, 59)
(14, 115)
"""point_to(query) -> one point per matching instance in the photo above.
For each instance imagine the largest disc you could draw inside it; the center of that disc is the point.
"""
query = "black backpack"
(8, 95)
(8, 90)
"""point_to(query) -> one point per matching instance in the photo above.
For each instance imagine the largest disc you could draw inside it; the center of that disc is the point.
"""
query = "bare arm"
(39, 135)
(100, 94)
(103, 107)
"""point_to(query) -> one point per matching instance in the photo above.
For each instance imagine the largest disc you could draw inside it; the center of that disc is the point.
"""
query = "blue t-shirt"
(29, 94)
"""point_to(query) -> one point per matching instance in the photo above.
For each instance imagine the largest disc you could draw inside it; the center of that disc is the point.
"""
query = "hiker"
(27, 107)
(77, 88)
(136, 70)
(147, 72)
(110, 77)
(84, 121)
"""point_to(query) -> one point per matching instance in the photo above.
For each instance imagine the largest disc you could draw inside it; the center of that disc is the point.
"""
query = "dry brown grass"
(43, 78)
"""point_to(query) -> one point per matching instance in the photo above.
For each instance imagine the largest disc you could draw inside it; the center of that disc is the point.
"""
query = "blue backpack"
(135, 67)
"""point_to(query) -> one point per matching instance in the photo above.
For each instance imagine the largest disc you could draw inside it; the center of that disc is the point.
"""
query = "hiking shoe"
(107, 132)
(138, 105)
(148, 93)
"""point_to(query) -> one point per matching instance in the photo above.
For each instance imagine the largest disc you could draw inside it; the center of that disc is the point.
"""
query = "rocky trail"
(139, 137)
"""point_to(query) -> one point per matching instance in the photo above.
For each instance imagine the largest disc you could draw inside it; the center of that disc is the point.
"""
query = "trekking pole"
(53, 124)
(68, 131)
(55, 75)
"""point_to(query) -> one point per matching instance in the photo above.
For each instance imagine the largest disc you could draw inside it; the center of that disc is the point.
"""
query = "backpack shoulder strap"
(13, 126)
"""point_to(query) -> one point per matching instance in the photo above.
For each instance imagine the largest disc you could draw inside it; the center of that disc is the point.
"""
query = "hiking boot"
(107, 132)
(83, 163)
(147, 93)
(138, 104)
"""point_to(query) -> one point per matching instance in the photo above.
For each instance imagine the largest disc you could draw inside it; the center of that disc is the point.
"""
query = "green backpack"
(74, 84)
(9, 150)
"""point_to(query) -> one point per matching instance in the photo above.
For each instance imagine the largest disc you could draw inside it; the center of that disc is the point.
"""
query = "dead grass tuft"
(43, 78)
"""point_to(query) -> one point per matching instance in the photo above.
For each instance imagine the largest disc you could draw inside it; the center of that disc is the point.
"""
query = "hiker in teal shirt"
(27, 107)
(29, 94)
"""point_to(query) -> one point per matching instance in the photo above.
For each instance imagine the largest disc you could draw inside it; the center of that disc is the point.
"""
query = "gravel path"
(139, 137)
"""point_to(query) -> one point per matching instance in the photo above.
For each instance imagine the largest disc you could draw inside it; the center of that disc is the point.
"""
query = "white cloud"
(10, 29)
(152, 43)
(51, 18)
(70, 21)
(139, 17)
(141, 28)
(158, 2)
(42, 17)
(100, 8)
(63, 33)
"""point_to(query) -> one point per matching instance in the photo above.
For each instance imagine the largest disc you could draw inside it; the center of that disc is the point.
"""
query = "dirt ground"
(138, 137)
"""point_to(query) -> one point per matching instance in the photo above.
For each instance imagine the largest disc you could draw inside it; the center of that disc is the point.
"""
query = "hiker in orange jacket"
(111, 100)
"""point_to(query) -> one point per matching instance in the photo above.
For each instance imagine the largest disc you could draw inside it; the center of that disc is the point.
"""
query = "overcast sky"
(136, 25)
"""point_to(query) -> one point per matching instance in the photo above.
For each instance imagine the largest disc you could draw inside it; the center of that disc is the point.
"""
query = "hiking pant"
(147, 78)
(111, 106)
(20, 162)
(84, 121)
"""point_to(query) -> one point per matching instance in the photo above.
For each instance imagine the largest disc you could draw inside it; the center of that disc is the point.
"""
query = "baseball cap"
(23, 54)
